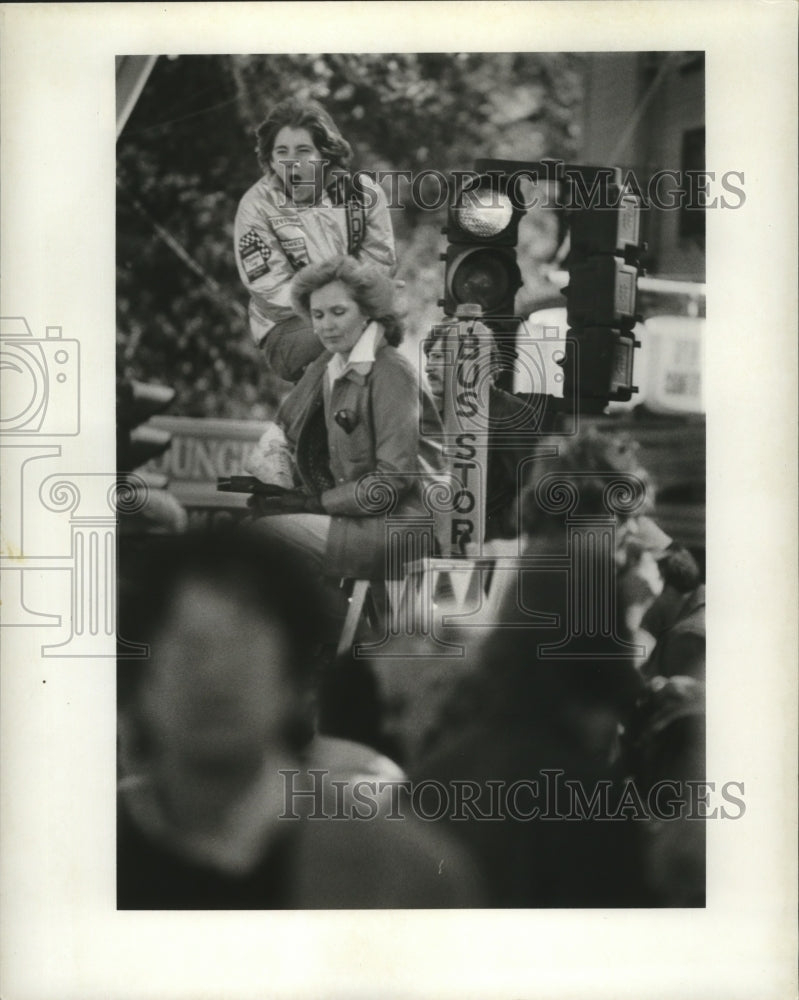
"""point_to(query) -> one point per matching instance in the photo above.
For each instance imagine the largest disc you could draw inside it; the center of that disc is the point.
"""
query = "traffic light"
(610, 227)
(601, 296)
(601, 292)
(601, 360)
(480, 262)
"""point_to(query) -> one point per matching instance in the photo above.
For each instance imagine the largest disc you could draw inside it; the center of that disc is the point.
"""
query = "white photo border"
(61, 934)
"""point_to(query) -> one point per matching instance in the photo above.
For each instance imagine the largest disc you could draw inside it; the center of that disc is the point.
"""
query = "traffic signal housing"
(611, 227)
(601, 296)
(601, 292)
(598, 365)
(480, 261)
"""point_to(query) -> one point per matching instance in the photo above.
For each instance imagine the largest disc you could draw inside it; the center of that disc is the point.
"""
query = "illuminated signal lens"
(483, 213)
(486, 277)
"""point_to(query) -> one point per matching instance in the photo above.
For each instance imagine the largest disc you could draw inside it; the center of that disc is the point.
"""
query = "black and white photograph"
(395, 512)
(505, 529)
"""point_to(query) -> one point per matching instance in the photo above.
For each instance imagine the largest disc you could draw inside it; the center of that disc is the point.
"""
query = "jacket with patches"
(274, 238)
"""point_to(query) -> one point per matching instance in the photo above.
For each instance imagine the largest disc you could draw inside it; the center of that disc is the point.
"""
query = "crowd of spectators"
(259, 770)
(256, 771)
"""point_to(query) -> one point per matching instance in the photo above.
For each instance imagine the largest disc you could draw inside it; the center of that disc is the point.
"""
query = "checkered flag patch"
(254, 255)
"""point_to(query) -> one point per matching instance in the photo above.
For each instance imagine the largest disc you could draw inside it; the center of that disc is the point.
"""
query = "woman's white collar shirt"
(363, 353)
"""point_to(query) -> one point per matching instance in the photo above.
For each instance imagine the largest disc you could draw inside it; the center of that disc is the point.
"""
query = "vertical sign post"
(467, 343)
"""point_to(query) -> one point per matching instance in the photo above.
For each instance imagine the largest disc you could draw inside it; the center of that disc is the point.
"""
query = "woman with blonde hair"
(354, 424)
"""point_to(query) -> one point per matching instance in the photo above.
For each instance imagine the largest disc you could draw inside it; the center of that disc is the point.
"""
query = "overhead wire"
(638, 113)
(183, 254)
(160, 126)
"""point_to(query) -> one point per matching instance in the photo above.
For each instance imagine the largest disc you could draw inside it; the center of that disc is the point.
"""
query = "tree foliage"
(187, 155)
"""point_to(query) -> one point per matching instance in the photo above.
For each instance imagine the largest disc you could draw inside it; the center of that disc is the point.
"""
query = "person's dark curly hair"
(370, 288)
(296, 113)
(587, 463)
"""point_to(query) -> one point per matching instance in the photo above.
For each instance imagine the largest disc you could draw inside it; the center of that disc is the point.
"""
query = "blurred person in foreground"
(665, 745)
(676, 619)
(353, 424)
(220, 808)
(586, 464)
(553, 683)
(306, 208)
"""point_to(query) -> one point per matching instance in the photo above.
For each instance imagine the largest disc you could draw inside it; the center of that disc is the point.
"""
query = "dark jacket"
(530, 859)
(680, 647)
(512, 420)
(310, 864)
(377, 462)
